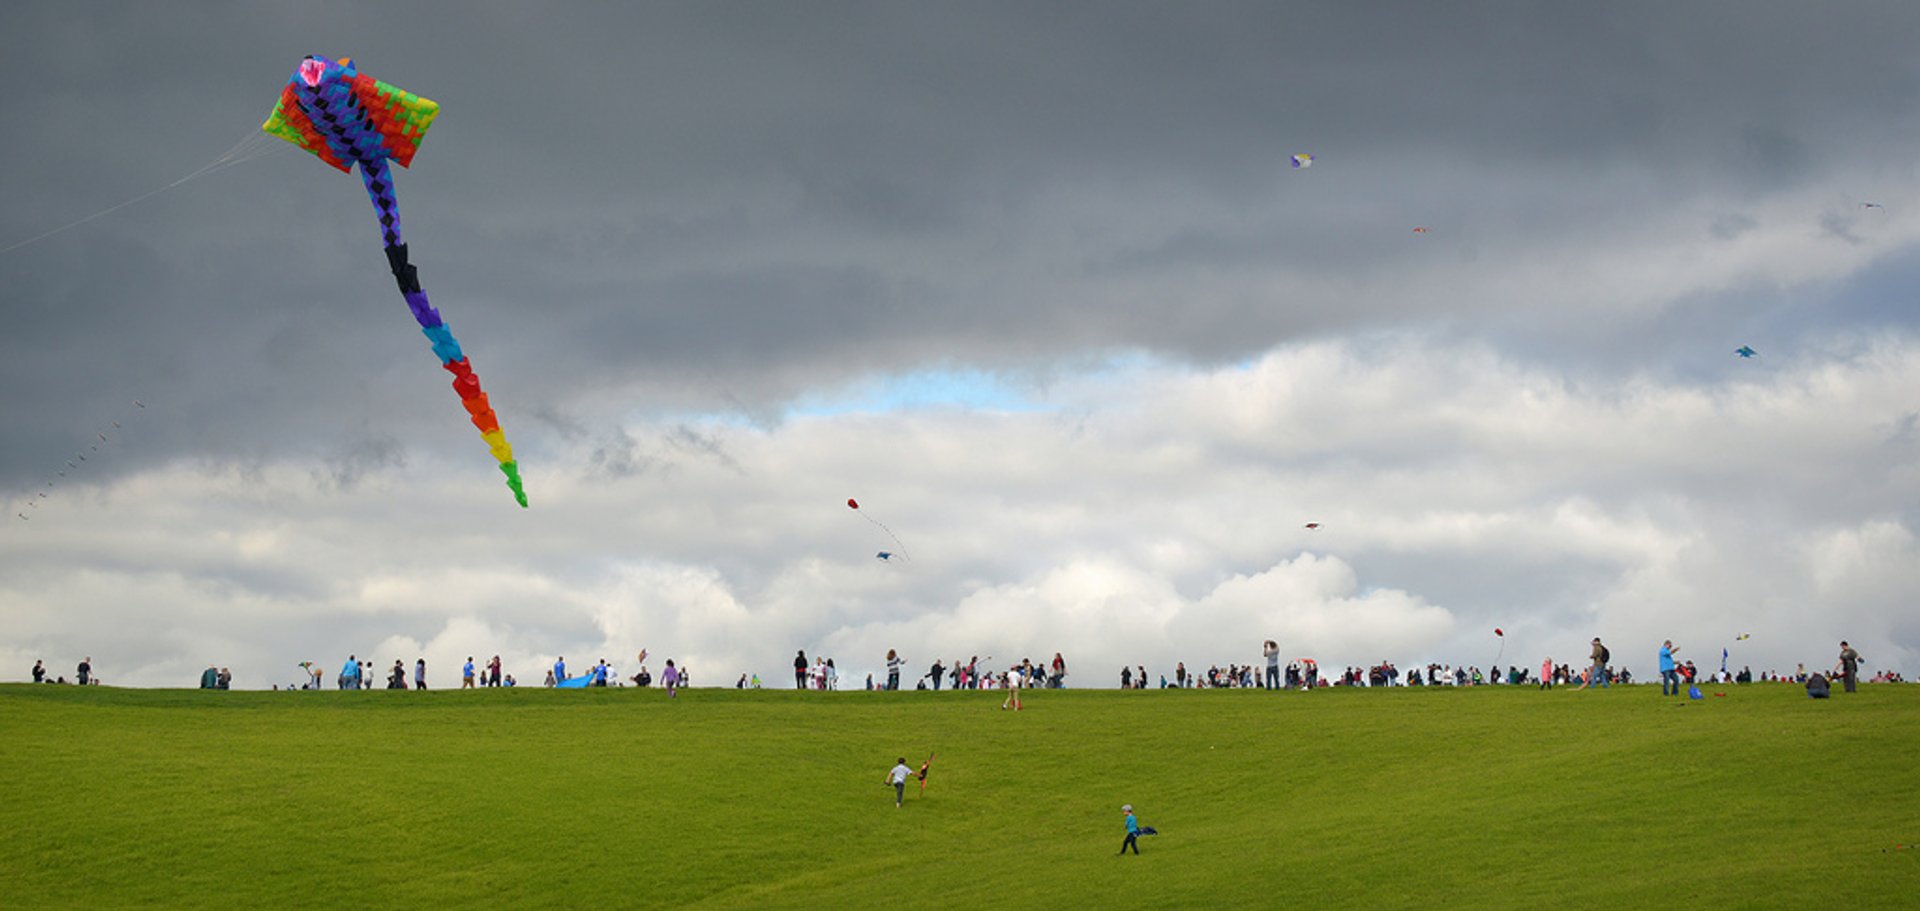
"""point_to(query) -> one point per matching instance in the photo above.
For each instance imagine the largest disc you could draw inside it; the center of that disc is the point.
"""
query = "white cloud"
(1143, 516)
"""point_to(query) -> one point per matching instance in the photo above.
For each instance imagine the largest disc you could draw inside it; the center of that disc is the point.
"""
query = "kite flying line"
(883, 555)
(253, 146)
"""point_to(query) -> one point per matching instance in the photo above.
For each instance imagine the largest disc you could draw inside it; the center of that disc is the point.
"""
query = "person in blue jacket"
(1133, 831)
(1669, 673)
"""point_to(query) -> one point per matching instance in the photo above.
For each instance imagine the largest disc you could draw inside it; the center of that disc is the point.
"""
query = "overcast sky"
(1035, 282)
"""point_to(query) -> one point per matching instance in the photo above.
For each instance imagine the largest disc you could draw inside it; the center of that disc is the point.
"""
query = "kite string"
(896, 538)
(247, 149)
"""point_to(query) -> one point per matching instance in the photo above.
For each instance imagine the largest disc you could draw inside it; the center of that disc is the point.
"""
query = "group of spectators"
(83, 674)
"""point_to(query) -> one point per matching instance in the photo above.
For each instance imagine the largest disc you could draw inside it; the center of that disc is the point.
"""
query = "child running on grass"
(898, 778)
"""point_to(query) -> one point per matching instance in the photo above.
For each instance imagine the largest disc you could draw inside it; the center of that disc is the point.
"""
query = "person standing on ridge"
(1849, 666)
(1669, 674)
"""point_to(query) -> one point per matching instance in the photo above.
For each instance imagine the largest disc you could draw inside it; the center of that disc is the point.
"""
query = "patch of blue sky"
(963, 389)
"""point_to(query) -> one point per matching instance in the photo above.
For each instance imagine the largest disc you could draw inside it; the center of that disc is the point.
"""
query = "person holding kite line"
(894, 663)
(1669, 674)
(1271, 649)
(898, 778)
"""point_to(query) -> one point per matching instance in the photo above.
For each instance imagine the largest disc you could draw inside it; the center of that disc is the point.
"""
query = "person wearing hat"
(1133, 831)
(898, 778)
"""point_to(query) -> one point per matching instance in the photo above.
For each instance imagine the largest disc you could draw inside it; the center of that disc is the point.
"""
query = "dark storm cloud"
(706, 201)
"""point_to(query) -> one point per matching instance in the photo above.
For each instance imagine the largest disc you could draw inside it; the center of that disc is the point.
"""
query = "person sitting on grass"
(1817, 687)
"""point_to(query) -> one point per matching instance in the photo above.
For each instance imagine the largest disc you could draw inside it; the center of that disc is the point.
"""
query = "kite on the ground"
(854, 505)
(1303, 160)
(345, 118)
(923, 773)
(1745, 351)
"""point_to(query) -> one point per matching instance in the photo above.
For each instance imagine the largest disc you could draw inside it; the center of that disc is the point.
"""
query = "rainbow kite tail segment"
(380, 189)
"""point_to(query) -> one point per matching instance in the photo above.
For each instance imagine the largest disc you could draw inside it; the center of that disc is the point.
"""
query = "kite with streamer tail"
(1502, 636)
(854, 505)
(345, 118)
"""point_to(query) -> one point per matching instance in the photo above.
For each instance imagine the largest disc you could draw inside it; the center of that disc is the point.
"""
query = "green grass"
(1491, 797)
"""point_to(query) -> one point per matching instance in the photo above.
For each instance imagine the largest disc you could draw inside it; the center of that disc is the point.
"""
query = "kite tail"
(465, 383)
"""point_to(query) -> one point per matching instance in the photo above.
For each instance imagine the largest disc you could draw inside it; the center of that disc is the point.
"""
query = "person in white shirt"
(1014, 682)
(898, 778)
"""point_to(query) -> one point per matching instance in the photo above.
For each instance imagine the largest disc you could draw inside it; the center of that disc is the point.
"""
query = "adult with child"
(1669, 672)
(1849, 666)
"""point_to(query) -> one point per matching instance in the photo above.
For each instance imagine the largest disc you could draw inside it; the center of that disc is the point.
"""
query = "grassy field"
(1429, 798)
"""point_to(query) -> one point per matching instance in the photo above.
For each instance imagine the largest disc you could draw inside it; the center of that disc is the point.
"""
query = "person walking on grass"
(350, 673)
(466, 674)
(898, 778)
(1669, 673)
(1597, 675)
(1546, 674)
(1133, 831)
(420, 674)
(800, 669)
(671, 679)
(894, 661)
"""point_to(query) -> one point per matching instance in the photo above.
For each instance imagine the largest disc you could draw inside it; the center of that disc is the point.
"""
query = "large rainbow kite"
(344, 117)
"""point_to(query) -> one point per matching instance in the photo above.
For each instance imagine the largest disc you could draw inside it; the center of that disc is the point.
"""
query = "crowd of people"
(819, 673)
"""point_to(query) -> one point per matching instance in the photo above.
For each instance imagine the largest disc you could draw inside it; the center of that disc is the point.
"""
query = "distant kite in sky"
(1873, 205)
(1743, 636)
(1302, 160)
(1745, 352)
(78, 461)
(883, 555)
(1310, 526)
(1502, 636)
(1422, 230)
(347, 118)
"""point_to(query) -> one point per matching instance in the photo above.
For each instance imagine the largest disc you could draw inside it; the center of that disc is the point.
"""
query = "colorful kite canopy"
(345, 118)
(1745, 351)
(1302, 160)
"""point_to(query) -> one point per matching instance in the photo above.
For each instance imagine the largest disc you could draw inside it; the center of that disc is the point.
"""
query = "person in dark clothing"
(84, 672)
(800, 670)
(1849, 666)
(936, 672)
(39, 672)
(1817, 687)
